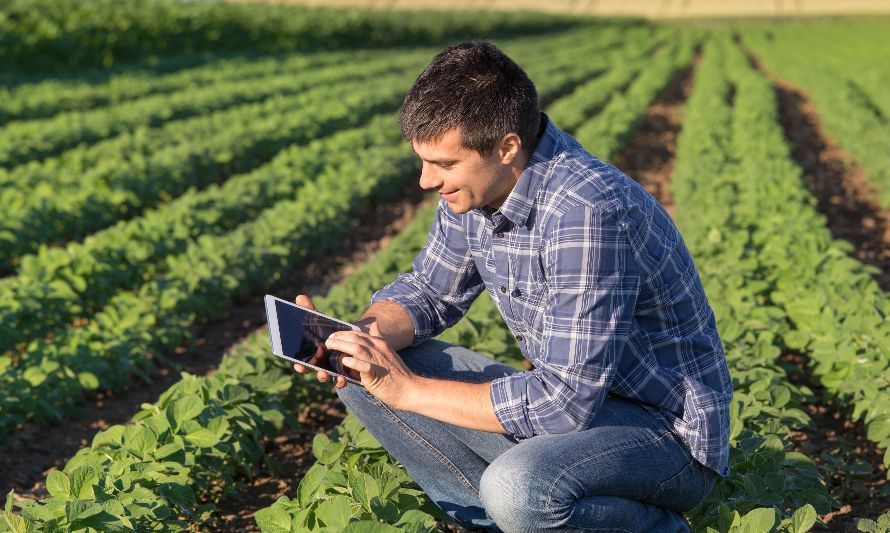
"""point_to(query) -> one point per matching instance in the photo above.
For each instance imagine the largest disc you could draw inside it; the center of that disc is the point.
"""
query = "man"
(623, 424)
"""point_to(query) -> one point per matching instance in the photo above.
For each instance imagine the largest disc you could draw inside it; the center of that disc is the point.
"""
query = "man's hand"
(322, 376)
(382, 371)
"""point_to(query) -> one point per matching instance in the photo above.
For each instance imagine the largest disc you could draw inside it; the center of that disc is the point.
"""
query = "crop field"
(164, 165)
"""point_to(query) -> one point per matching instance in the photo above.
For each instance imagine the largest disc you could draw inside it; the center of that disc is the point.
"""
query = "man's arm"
(385, 375)
(454, 402)
(442, 285)
(392, 320)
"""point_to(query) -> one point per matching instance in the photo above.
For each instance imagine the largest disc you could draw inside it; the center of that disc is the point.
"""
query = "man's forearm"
(458, 403)
(394, 322)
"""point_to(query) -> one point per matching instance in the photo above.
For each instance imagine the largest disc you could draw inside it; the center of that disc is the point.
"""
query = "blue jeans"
(626, 473)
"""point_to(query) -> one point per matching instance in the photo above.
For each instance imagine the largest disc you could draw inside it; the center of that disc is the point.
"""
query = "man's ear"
(509, 148)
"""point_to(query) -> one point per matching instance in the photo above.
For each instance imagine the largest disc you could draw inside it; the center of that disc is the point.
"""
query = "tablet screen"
(301, 337)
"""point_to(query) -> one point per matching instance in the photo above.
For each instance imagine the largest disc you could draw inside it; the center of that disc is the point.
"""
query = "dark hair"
(476, 87)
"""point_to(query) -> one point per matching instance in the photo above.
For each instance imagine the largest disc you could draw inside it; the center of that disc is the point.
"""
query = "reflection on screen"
(303, 335)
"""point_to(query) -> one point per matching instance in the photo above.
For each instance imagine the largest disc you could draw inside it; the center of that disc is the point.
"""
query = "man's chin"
(457, 209)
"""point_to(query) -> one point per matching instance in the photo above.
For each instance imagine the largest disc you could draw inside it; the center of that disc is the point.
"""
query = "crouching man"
(623, 423)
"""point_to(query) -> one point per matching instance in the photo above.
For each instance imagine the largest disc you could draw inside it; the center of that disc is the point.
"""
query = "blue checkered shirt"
(596, 284)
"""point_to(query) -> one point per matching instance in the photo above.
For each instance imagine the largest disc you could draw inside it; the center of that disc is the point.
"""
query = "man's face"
(465, 179)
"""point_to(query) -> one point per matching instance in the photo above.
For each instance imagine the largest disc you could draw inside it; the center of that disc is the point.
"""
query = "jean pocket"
(684, 490)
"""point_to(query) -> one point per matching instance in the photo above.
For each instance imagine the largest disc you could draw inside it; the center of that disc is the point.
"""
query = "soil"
(836, 437)
(28, 455)
(649, 157)
(841, 187)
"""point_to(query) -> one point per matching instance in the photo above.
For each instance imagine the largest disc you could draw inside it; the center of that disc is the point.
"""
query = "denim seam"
(426, 444)
(668, 480)
(613, 451)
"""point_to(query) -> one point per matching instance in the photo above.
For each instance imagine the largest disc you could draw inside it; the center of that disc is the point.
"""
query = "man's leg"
(446, 461)
(628, 473)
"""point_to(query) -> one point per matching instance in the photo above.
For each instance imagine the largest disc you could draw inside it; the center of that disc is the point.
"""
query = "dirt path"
(841, 187)
(649, 157)
(27, 456)
(852, 465)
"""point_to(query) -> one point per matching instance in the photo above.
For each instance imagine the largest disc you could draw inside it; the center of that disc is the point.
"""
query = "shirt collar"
(518, 205)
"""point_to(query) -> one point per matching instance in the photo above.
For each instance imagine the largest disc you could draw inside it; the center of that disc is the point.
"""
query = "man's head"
(473, 118)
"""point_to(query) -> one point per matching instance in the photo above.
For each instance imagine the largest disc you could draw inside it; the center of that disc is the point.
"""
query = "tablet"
(298, 334)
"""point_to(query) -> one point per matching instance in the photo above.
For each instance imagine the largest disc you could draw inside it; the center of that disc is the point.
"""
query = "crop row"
(44, 98)
(611, 131)
(122, 176)
(30, 140)
(210, 150)
(854, 110)
(40, 35)
(767, 479)
(60, 284)
(135, 328)
(66, 169)
(834, 312)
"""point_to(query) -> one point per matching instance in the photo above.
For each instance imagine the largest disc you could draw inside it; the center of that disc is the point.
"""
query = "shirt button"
(500, 235)
(503, 288)
(519, 338)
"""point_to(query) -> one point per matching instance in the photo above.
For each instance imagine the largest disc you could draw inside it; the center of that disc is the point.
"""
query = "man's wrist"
(413, 394)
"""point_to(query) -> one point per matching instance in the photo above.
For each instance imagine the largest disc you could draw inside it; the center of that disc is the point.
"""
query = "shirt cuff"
(510, 406)
(422, 322)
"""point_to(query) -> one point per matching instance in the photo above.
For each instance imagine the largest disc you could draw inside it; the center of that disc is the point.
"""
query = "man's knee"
(514, 495)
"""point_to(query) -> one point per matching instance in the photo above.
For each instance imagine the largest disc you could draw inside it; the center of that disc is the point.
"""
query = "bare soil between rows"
(29, 454)
(841, 187)
(834, 437)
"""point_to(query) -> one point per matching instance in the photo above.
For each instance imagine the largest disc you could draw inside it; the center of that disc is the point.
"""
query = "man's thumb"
(374, 329)
(304, 300)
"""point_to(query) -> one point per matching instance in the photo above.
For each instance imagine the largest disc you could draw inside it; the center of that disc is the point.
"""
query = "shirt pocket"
(529, 293)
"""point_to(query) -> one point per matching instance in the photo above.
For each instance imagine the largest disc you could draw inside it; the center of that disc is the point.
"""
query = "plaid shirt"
(596, 284)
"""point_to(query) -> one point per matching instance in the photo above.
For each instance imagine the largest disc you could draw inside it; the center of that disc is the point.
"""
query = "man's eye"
(447, 166)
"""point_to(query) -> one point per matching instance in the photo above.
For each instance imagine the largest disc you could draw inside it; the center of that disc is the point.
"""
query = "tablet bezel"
(275, 334)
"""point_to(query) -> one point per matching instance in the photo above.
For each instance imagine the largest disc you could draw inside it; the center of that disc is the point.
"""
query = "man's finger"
(341, 382)
(359, 365)
(305, 301)
(360, 350)
(358, 337)
(299, 368)
(323, 376)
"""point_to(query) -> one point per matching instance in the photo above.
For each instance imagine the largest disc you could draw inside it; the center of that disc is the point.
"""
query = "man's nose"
(428, 178)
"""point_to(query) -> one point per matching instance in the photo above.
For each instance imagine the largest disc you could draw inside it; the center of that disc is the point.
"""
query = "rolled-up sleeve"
(593, 282)
(444, 281)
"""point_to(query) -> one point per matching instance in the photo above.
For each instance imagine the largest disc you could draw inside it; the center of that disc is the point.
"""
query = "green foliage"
(354, 486)
(835, 63)
(881, 525)
(199, 250)
(768, 485)
(40, 35)
(166, 468)
(119, 178)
